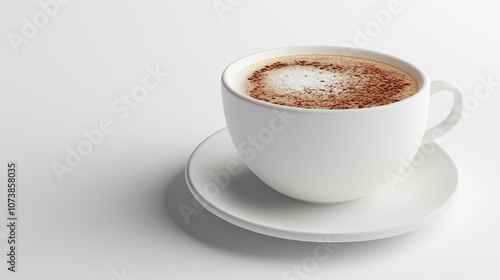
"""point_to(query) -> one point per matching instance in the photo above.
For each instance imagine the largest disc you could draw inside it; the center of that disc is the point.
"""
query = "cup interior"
(236, 66)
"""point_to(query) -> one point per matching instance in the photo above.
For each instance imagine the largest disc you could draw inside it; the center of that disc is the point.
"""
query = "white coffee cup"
(328, 156)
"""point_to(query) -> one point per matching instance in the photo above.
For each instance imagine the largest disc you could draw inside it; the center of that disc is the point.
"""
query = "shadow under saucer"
(219, 234)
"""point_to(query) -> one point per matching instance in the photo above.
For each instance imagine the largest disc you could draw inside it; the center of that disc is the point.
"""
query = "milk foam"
(325, 82)
(292, 79)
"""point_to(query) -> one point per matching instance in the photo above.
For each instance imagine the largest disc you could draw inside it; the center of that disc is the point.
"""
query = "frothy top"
(325, 82)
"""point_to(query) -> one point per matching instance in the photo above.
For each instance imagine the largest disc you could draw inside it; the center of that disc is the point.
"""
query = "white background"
(116, 215)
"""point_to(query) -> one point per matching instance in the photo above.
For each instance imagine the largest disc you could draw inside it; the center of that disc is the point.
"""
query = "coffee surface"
(325, 82)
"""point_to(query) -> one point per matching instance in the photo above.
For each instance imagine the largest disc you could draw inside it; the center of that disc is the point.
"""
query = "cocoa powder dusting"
(325, 82)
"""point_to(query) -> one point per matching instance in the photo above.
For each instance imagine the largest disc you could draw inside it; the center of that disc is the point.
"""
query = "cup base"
(247, 202)
(325, 203)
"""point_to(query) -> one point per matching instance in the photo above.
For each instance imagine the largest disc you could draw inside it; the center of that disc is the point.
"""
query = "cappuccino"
(325, 82)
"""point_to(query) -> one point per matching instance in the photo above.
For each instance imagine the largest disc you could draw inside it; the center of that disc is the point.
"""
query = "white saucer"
(249, 203)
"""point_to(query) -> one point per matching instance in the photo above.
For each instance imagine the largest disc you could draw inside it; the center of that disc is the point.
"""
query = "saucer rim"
(301, 235)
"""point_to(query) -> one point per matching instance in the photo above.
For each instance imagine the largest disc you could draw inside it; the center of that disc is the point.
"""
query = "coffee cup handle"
(453, 117)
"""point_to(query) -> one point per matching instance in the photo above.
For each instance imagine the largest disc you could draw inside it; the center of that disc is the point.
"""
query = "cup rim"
(240, 63)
